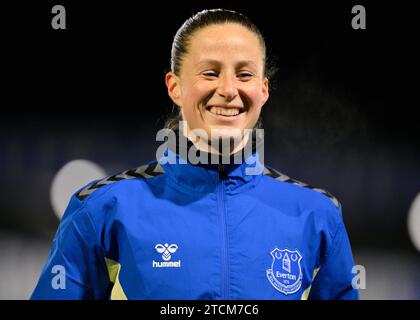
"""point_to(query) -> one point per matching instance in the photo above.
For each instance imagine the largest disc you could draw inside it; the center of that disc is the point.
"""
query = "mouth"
(225, 113)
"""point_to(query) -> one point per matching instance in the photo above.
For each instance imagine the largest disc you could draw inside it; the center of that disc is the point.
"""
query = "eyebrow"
(238, 64)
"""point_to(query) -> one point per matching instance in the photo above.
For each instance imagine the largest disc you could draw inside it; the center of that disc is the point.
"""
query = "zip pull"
(222, 171)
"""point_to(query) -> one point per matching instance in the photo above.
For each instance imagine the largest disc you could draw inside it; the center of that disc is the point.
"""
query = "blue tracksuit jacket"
(183, 231)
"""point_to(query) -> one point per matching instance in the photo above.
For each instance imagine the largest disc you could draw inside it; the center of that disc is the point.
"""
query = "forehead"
(228, 40)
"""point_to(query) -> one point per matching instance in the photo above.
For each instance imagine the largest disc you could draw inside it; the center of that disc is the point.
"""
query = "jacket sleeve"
(334, 278)
(75, 268)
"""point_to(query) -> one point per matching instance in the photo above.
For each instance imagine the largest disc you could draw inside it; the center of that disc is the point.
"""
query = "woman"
(208, 229)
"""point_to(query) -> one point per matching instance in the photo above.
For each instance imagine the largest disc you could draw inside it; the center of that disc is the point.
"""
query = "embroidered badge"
(285, 274)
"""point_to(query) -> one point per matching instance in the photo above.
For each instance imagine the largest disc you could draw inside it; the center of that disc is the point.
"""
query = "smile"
(225, 111)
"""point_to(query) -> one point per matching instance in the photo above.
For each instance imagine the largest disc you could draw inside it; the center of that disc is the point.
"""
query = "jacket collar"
(236, 173)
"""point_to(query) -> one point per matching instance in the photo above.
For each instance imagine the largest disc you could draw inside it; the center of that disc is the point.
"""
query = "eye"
(210, 74)
(245, 75)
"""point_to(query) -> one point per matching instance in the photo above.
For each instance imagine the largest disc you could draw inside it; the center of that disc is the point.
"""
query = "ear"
(174, 88)
(265, 89)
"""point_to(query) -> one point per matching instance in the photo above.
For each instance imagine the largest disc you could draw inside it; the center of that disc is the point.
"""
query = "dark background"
(342, 113)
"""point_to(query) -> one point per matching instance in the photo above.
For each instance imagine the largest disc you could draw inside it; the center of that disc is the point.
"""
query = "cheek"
(201, 91)
(191, 100)
(196, 90)
(255, 95)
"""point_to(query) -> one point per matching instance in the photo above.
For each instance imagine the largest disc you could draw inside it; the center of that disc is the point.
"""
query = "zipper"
(222, 211)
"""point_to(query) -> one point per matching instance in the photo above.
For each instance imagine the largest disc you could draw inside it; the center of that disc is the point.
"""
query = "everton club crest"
(285, 274)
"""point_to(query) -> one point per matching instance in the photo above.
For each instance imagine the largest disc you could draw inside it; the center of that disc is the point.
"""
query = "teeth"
(224, 111)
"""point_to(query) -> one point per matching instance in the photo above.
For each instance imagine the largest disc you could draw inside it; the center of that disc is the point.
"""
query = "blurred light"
(414, 222)
(71, 177)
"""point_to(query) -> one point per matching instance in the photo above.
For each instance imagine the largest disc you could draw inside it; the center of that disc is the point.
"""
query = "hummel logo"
(166, 251)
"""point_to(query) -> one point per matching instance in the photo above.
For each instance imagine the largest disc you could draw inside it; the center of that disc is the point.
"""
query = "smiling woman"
(219, 74)
(184, 230)
(221, 82)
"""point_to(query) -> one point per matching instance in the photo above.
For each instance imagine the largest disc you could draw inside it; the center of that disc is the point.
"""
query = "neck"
(224, 146)
(197, 152)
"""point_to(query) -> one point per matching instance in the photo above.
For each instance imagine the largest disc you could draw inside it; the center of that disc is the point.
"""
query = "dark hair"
(201, 20)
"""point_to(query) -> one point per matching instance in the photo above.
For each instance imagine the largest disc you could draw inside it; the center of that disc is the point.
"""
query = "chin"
(226, 132)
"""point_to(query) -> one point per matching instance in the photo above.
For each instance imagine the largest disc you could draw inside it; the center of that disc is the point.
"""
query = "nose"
(227, 88)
